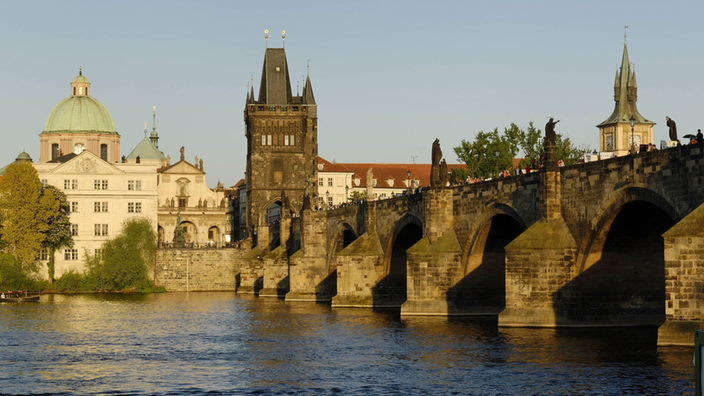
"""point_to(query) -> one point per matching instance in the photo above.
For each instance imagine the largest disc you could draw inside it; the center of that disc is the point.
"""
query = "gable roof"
(86, 162)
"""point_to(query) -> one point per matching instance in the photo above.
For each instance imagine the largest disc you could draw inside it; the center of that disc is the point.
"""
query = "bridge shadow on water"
(621, 278)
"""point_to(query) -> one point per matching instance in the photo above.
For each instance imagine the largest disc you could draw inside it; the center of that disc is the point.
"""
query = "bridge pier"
(252, 272)
(684, 280)
(359, 270)
(275, 280)
(311, 278)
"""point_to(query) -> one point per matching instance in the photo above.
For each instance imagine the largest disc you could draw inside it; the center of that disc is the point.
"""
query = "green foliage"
(76, 282)
(479, 155)
(125, 260)
(14, 276)
(58, 235)
(357, 196)
(24, 221)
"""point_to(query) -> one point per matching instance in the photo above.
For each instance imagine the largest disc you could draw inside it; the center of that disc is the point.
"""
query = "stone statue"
(196, 163)
(137, 160)
(453, 178)
(673, 128)
(201, 164)
(370, 185)
(443, 173)
(183, 156)
(200, 202)
(179, 239)
(168, 159)
(123, 159)
(550, 135)
(436, 156)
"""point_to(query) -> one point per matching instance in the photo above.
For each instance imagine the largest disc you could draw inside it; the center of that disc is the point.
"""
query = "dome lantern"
(80, 84)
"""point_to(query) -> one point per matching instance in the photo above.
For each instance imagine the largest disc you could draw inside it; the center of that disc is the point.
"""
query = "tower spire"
(266, 38)
(154, 136)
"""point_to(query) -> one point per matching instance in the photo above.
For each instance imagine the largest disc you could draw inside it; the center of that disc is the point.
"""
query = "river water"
(222, 343)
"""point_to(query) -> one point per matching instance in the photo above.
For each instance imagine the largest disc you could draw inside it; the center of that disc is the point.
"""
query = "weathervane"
(266, 37)
(625, 31)
(283, 38)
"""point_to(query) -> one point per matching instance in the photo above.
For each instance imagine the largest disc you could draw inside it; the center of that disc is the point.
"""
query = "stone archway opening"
(214, 239)
(190, 233)
(161, 234)
(272, 220)
(393, 287)
(484, 282)
(624, 271)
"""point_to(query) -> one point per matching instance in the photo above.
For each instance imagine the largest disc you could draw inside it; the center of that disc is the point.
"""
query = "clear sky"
(389, 76)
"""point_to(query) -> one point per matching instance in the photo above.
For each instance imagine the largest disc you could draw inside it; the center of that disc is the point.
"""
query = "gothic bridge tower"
(282, 144)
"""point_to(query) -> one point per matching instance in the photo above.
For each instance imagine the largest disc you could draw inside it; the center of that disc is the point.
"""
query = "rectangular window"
(74, 207)
(138, 185)
(210, 234)
(100, 207)
(96, 184)
(44, 183)
(67, 184)
(44, 254)
(101, 230)
(105, 206)
(182, 203)
(105, 184)
(268, 140)
(74, 184)
(263, 140)
(100, 184)
(330, 201)
(293, 140)
(130, 207)
(285, 140)
(96, 207)
(138, 207)
(70, 254)
(74, 229)
(329, 181)
(130, 185)
(97, 253)
(320, 181)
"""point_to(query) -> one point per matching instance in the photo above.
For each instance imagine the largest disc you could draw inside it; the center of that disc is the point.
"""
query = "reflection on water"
(194, 343)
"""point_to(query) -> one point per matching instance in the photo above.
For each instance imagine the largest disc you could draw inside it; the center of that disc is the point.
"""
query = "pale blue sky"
(389, 76)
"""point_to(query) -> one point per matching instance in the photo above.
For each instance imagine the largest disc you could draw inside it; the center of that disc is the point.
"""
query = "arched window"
(104, 152)
(54, 151)
(74, 91)
(86, 91)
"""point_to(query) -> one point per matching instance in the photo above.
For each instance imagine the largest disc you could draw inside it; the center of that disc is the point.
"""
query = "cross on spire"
(625, 33)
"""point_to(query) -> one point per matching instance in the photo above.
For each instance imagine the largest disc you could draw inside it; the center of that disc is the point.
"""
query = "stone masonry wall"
(198, 269)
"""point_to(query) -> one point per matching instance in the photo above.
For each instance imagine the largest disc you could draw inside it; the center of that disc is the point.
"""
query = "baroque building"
(79, 154)
(615, 134)
(282, 146)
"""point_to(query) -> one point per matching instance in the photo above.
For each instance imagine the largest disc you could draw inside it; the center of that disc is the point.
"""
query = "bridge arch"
(405, 232)
(620, 265)
(483, 282)
(344, 235)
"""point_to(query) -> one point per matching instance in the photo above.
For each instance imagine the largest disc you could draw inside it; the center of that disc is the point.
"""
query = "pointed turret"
(308, 97)
(617, 87)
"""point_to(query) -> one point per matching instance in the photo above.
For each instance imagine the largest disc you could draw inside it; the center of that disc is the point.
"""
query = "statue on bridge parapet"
(673, 128)
(436, 157)
(550, 135)
(444, 177)
(370, 184)
(306, 198)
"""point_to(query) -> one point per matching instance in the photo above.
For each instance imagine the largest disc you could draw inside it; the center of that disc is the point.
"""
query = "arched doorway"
(623, 274)
(190, 232)
(484, 282)
(214, 236)
(161, 234)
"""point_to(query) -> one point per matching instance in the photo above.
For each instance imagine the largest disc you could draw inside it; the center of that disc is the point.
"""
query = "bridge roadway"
(608, 243)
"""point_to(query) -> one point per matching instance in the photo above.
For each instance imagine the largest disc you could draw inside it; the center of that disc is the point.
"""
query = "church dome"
(80, 113)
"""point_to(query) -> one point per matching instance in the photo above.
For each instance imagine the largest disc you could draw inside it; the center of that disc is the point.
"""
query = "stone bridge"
(608, 243)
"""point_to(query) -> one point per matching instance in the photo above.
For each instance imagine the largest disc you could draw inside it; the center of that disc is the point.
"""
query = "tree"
(481, 161)
(58, 235)
(23, 220)
(124, 261)
(357, 196)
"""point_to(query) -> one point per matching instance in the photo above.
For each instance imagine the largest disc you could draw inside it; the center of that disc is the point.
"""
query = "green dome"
(80, 114)
(80, 78)
(23, 156)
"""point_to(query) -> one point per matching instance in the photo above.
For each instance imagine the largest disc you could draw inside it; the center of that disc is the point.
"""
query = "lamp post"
(497, 153)
(327, 195)
(633, 142)
(347, 192)
(408, 173)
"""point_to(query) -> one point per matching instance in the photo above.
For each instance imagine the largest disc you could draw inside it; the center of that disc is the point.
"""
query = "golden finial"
(283, 38)
(266, 37)
(625, 31)
(154, 111)
(80, 70)
(145, 129)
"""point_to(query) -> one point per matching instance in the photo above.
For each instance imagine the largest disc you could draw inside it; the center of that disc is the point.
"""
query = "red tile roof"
(384, 172)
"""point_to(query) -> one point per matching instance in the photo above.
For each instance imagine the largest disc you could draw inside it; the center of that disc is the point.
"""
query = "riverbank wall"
(198, 269)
